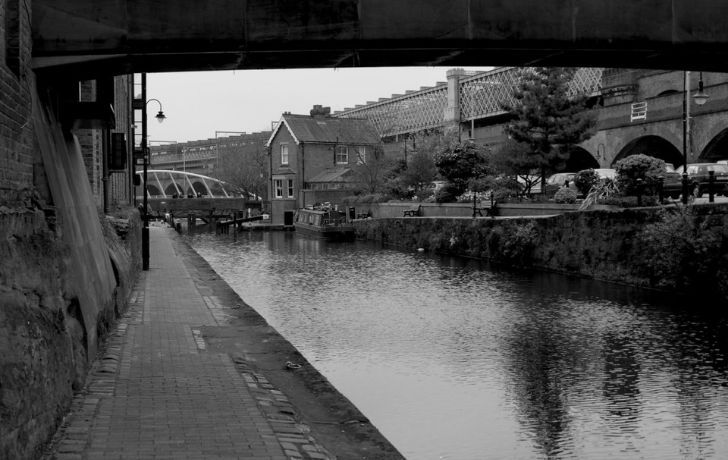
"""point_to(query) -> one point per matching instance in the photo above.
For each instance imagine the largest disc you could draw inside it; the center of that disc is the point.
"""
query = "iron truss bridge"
(482, 95)
(169, 183)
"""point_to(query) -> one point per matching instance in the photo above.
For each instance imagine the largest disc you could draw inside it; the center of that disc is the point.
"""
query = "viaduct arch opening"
(655, 146)
(579, 159)
(717, 148)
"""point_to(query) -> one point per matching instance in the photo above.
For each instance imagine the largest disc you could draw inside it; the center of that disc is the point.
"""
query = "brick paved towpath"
(191, 372)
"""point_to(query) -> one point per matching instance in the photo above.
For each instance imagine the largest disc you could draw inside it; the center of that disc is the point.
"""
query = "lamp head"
(160, 116)
(700, 97)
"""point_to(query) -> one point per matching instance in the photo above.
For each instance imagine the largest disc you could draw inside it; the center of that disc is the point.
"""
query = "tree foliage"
(514, 159)
(585, 180)
(419, 174)
(682, 250)
(639, 174)
(247, 169)
(462, 162)
(548, 118)
(371, 170)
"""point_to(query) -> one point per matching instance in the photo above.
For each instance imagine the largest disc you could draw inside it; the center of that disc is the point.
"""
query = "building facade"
(240, 159)
(315, 153)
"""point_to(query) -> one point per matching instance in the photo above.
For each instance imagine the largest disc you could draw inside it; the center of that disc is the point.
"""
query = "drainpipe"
(105, 152)
(303, 176)
(270, 179)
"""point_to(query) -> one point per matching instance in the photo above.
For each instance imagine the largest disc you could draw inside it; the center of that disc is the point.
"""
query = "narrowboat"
(323, 223)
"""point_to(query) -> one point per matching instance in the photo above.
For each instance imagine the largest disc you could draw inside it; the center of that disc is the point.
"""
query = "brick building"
(312, 159)
(111, 179)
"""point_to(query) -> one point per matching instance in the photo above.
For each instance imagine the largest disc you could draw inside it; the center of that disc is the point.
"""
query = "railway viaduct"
(61, 283)
(638, 111)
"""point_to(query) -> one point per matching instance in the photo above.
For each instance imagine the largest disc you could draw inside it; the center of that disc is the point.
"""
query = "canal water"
(451, 359)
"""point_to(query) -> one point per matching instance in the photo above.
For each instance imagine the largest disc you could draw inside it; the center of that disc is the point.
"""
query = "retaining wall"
(395, 209)
(601, 244)
(44, 355)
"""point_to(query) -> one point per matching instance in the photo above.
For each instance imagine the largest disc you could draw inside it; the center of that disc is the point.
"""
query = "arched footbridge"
(182, 193)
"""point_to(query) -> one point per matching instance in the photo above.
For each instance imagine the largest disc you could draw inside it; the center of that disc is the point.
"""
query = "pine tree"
(548, 119)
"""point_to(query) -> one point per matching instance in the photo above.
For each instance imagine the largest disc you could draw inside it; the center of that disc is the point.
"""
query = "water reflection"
(451, 359)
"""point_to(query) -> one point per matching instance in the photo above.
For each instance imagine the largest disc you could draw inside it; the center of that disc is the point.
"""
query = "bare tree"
(246, 168)
(371, 169)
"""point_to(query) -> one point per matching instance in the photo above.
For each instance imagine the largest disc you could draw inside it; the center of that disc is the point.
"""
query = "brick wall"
(16, 81)
(120, 192)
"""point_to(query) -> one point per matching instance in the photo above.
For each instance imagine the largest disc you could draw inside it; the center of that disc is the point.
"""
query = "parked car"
(606, 173)
(558, 180)
(698, 174)
(671, 182)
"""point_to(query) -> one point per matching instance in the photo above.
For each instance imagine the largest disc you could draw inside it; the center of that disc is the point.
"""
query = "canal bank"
(191, 371)
(608, 245)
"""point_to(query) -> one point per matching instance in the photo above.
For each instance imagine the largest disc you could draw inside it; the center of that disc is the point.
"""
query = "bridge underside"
(122, 36)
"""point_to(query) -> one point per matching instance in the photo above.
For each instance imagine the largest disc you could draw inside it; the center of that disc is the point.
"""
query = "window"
(361, 154)
(639, 111)
(290, 188)
(278, 185)
(284, 154)
(342, 155)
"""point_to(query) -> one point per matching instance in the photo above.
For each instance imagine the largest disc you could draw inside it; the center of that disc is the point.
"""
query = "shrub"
(517, 246)
(603, 190)
(448, 193)
(630, 201)
(681, 251)
(639, 174)
(585, 180)
(565, 195)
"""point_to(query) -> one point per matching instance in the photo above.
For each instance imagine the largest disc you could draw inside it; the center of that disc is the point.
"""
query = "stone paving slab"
(158, 392)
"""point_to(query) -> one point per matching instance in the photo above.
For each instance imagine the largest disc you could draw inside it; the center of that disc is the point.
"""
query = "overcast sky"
(199, 103)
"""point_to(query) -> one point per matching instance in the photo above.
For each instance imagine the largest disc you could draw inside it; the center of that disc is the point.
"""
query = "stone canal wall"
(396, 209)
(606, 245)
(43, 336)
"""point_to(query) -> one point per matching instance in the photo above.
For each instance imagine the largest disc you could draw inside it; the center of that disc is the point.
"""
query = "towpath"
(183, 376)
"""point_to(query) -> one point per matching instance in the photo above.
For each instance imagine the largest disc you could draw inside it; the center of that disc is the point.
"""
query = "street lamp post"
(145, 155)
(700, 98)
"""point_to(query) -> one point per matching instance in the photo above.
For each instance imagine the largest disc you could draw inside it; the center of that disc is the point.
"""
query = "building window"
(284, 154)
(342, 155)
(361, 155)
(290, 188)
(278, 185)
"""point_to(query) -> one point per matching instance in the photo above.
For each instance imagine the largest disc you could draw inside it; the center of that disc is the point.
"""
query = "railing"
(414, 111)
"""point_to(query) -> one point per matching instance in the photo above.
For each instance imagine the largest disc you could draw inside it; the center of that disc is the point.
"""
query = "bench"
(414, 211)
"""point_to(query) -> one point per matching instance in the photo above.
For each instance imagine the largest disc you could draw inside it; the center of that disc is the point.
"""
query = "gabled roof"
(332, 175)
(327, 130)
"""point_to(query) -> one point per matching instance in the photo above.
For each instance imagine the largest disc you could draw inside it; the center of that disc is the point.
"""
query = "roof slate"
(331, 130)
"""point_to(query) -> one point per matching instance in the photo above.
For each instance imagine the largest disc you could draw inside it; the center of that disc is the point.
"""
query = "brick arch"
(717, 148)
(652, 145)
(579, 159)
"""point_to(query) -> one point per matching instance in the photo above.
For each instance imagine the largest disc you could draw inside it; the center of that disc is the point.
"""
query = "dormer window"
(342, 155)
